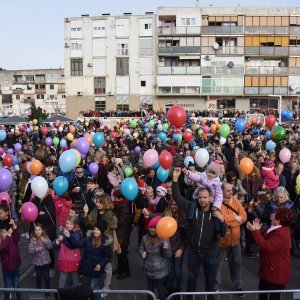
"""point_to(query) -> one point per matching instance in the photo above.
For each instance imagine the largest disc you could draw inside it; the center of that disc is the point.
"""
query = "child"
(209, 179)
(62, 209)
(39, 247)
(10, 256)
(69, 256)
(4, 215)
(155, 253)
(271, 179)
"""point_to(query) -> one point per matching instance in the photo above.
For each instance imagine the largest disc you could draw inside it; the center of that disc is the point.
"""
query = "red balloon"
(270, 121)
(114, 135)
(8, 160)
(188, 136)
(166, 159)
(44, 131)
(177, 115)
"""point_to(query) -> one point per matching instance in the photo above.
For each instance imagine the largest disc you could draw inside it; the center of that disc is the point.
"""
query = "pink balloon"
(150, 158)
(285, 155)
(28, 167)
(29, 211)
(205, 129)
(4, 196)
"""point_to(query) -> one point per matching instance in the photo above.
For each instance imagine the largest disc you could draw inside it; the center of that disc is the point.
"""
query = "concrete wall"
(76, 104)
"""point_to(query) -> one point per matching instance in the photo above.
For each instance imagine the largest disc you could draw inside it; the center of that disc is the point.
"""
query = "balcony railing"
(28, 101)
(295, 50)
(294, 30)
(40, 91)
(179, 30)
(267, 29)
(236, 70)
(179, 50)
(267, 51)
(178, 70)
(233, 50)
(222, 90)
(266, 90)
(222, 30)
(180, 91)
(272, 71)
(17, 91)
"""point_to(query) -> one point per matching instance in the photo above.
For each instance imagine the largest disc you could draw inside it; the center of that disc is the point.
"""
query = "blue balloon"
(98, 139)
(284, 114)
(270, 145)
(187, 161)
(129, 189)
(268, 134)
(146, 130)
(289, 115)
(162, 174)
(193, 144)
(2, 135)
(146, 125)
(175, 137)
(159, 127)
(60, 185)
(240, 125)
(155, 166)
(162, 136)
(63, 143)
(67, 161)
(28, 130)
(15, 160)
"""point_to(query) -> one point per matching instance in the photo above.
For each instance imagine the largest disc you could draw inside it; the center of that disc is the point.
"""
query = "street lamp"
(279, 105)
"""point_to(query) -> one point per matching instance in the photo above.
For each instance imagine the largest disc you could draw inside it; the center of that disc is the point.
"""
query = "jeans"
(42, 271)
(174, 279)
(159, 285)
(235, 264)
(208, 258)
(123, 264)
(11, 280)
(96, 286)
(108, 274)
(63, 276)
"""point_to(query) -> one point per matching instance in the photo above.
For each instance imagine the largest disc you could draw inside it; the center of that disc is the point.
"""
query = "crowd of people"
(231, 193)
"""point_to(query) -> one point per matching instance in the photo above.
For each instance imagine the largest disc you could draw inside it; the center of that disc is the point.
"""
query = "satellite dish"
(216, 46)
(230, 64)
(293, 86)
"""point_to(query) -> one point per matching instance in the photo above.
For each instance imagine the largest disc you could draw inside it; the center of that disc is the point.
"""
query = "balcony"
(267, 51)
(236, 70)
(295, 30)
(179, 50)
(234, 50)
(179, 91)
(266, 90)
(222, 90)
(227, 30)
(272, 71)
(295, 51)
(179, 30)
(17, 90)
(267, 30)
(178, 70)
(40, 91)
(40, 81)
(28, 101)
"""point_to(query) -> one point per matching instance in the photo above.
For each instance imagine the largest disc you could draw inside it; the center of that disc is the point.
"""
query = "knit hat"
(154, 221)
(268, 164)
(162, 190)
(101, 225)
(215, 167)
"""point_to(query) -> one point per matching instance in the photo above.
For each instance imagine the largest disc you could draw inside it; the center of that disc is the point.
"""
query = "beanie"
(215, 167)
(162, 190)
(101, 225)
(154, 221)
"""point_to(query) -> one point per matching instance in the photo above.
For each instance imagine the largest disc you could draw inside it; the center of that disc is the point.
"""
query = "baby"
(267, 172)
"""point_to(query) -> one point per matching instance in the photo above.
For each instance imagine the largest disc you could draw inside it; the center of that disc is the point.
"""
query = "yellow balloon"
(197, 126)
(298, 180)
(35, 121)
(121, 129)
(298, 189)
(70, 136)
(135, 135)
(36, 128)
(78, 157)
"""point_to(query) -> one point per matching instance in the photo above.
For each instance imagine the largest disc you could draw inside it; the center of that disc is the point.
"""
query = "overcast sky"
(32, 31)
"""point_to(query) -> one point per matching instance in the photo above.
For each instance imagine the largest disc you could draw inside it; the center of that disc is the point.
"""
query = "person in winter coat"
(62, 209)
(155, 253)
(113, 178)
(69, 256)
(96, 255)
(10, 256)
(39, 247)
(271, 180)
(275, 258)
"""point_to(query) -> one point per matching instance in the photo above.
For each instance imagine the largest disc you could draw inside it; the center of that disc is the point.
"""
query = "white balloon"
(202, 157)
(222, 140)
(39, 186)
(60, 129)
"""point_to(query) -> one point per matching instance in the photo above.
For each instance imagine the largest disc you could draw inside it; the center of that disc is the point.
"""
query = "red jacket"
(275, 257)
(62, 209)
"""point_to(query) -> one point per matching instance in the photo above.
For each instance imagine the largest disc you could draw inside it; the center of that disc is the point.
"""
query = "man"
(206, 226)
(151, 180)
(229, 246)
(78, 187)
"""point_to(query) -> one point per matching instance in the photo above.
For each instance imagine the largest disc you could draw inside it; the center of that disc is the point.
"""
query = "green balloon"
(179, 137)
(55, 141)
(224, 130)
(151, 123)
(200, 131)
(128, 171)
(133, 124)
(278, 134)
(165, 127)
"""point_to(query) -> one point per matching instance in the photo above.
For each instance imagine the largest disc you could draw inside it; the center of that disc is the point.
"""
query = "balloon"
(83, 145)
(55, 141)
(285, 155)
(162, 174)
(18, 147)
(36, 167)
(224, 130)
(29, 211)
(4, 196)
(155, 166)
(78, 157)
(63, 143)
(34, 121)
(151, 123)
(240, 125)
(36, 128)
(48, 141)
(205, 129)
(67, 161)
(162, 136)
(8, 160)
(129, 188)
(70, 137)
(188, 136)
(5, 179)
(137, 149)
(213, 127)
(283, 114)
(89, 138)
(166, 227)
(72, 129)
(44, 131)
(177, 115)
(10, 151)
(222, 140)
(135, 135)
(133, 124)
(60, 185)
(278, 134)
(98, 139)
(246, 165)
(268, 134)
(165, 127)
(202, 157)
(93, 168)
(200, 131)
(128, 172)
(159, 127)
(188, 160)
(166, 159)
(270, 121)
(39, 186)
(15, 160)
(150, 158)
(289, 115)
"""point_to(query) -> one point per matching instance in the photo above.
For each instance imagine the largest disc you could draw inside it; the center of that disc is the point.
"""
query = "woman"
(275, 258)
(291, 173)
(235, 182)
(252, 184)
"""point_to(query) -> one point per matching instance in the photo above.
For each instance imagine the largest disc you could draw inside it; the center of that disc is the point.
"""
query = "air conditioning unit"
(67, 45)
(109, 94)
(206, 57)
(89, 65)
(79, 93)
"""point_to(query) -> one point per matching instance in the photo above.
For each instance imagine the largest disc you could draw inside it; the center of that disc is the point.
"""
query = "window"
(295, 41)
(76, 46)
(51, 87)
(188, 21)
(146, 47)
(266, 41)
(267, 21)
(122, 102)
(63, 96)
(29, 78)
(76, 67)
(99, 85)
(18, 97)
(100, 103)
(263, 104)
(122, 66)
(143, 83)
(99, 28)
(74, 29)
(226, 103)
(148, 26)
(40, 77)
(7, 99)
(265, 81)
(40, 96)
(40, 87)
(122, 49)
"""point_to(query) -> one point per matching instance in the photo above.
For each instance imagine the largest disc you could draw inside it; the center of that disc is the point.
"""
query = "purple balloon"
(93, 168)
(82, 155)
(18, 147)
(48, 141)
(5, 179)
(10, 151)
(137, 149)
(83, 145)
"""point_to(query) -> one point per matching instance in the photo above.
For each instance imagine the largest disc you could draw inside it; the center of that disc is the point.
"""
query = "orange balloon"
(254, 120)
(89, 137)
(246, 165)
(204, 121)
(72, 129)
(166, 227)
(218, 125)
(36, 167)
(204, 135)
(74, 143)
(249, 122)
(213, 127)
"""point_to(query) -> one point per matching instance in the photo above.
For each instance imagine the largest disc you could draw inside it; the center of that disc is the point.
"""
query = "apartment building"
(200, 57)
(42, 87)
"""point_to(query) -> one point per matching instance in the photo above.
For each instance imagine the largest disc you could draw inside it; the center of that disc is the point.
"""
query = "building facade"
(42, 87)
(202, 58)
